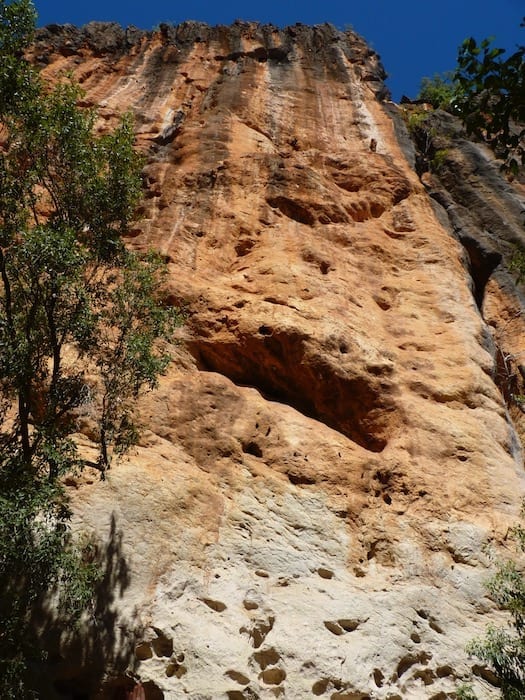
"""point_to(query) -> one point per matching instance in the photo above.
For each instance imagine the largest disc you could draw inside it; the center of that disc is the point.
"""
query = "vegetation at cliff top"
(81, 329)
(439, 91)
(487, 92)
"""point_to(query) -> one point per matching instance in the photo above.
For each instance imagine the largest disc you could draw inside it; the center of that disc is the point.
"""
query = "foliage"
(491, 98)
(487, 92)
(424, 134)
(439, 91)
(80, 324)
(465, 692)
(439, 159)
(36, 551)
(416, 119)
(517, 263)
(504, 648)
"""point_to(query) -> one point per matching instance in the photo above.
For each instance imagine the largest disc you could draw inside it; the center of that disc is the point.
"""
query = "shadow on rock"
(89, 661)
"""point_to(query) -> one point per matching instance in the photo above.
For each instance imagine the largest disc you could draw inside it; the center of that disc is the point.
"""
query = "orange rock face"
(329, 452)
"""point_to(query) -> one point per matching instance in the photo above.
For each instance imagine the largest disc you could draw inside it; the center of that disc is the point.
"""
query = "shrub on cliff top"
(439, 91)
(487, 92)
(491, 98)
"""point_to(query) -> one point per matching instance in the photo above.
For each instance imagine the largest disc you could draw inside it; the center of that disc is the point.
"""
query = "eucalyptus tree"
(83, 330)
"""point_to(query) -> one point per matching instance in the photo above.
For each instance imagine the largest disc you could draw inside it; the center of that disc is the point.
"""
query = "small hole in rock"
(162, 646)
(409, 660)
(487, 674)
(320, 687)
(175, 669)
(434, 626)
(334, 627)
(378, 677)
(143, 651)
(383, 304)
(238, 677)
(268, 657)
(444, 671)
(325, 573)
(273, 676)
(252, 448)
(349, 625)
(215, 605)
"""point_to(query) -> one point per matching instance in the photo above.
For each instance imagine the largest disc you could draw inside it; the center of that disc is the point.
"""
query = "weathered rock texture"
(331, 450)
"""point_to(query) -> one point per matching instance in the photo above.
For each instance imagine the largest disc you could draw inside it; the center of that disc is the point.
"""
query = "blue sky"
(415, 38)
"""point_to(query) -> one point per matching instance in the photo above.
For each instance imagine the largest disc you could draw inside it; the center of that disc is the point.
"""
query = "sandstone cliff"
(331, 452)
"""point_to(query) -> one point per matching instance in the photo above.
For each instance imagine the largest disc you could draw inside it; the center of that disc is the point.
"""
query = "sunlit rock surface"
(330, 458)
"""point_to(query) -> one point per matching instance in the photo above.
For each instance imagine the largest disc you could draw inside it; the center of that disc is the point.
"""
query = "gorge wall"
(331, 457)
